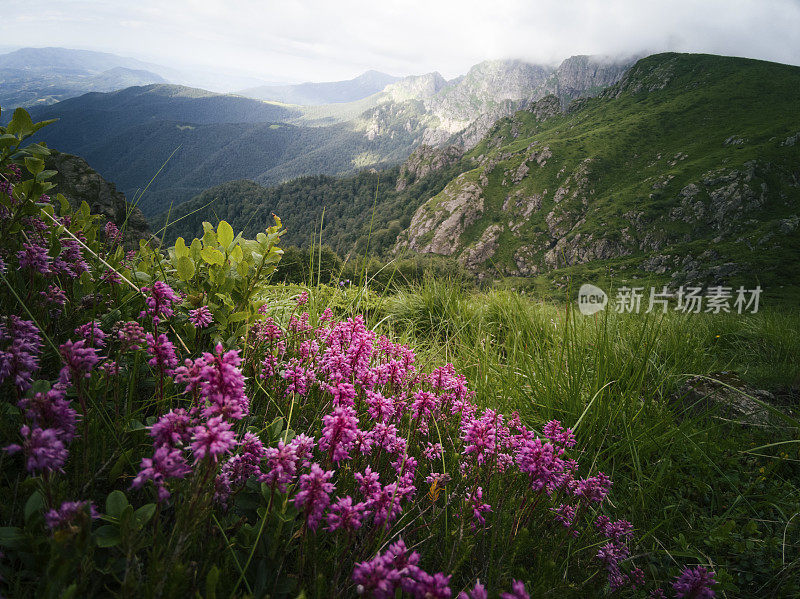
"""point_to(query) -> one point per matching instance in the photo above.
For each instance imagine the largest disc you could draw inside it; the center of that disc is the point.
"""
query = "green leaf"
(144, 513)
(180, 247)
(34, 504)
(63, 204)
(224, 233)
(185, 268)
(212, 578)
(21, 124)
(34, 165)
(107, 536)
(212, 256)
(116, 502)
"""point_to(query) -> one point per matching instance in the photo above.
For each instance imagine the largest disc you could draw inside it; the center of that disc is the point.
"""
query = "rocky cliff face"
(438, 112)
(673, 187)
(78, 182)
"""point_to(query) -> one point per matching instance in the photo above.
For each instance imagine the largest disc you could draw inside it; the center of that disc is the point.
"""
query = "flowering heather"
(221, 385)
(695, 583)
(78, 360)
(160, 301)
(346, 515)
(477, 507)
(339, 433)
(92, 333)
(517, 591)
(70, 261)
(132, 336)
(111, 276)
(113, 234)
(212, 439)
(56, 297)
(267, 330)
(51, 411)
(173, 428)
(281, 465)
(558, 434)
(36, 257)
(542, 462)
(167, 462)
(163, 352)
(477, 592)
(395, 569)
(313, 495)
(19, 358)
(69, 512)
(43, 448)
(595, 488)
(201, 317)
(298, 377)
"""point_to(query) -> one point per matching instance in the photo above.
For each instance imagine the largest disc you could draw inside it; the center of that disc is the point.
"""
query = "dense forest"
(353, 211)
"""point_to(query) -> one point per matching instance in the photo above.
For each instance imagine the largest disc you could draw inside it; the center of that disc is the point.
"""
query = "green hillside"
(351, 210)
(205, 139)
(688, 165)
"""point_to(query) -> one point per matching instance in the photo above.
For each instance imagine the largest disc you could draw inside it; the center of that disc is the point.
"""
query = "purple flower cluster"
(19, 358)
(695, 583)
(160, 301)
(69, 512)
(78, 360)
(201, 317)
(395, 569)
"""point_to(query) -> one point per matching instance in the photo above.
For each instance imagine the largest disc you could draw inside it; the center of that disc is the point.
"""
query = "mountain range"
(313, 94)
(176, 141)
(684, 171)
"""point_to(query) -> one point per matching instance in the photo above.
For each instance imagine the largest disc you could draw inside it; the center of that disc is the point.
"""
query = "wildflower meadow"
(176, 424)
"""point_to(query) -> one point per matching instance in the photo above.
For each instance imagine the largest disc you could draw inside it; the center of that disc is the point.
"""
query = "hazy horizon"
(318, 41)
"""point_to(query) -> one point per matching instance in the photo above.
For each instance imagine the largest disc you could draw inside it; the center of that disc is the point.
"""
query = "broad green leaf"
(212, 578)
(185, 268)
(224, 234)
(212, 256)
(144, 513)
(34, 165)
(11, 537)
(237, 254)
(116, 502)
(34, 504)
(180, 247)
(21, 124)
(107, 536)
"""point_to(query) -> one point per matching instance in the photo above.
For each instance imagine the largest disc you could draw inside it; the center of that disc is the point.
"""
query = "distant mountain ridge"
(314, 94)
(685, 171)
(43, 76)
(202, 138)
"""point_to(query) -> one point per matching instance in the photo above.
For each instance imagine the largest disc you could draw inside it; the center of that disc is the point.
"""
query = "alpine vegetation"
(176, 426)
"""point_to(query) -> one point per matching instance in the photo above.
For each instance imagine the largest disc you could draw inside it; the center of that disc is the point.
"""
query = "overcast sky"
(310, 40)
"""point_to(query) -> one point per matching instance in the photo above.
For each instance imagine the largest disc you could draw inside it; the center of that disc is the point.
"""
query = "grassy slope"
(690, 487)
(632, 141)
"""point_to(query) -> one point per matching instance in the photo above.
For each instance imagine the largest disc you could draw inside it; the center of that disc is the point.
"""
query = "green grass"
(693, 485)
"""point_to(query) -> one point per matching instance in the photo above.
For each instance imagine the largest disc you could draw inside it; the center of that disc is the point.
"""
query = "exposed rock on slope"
(79, 183)
(462, 110)
(645, 177)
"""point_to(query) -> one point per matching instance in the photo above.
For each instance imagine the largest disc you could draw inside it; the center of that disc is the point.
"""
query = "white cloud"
(323, 40)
